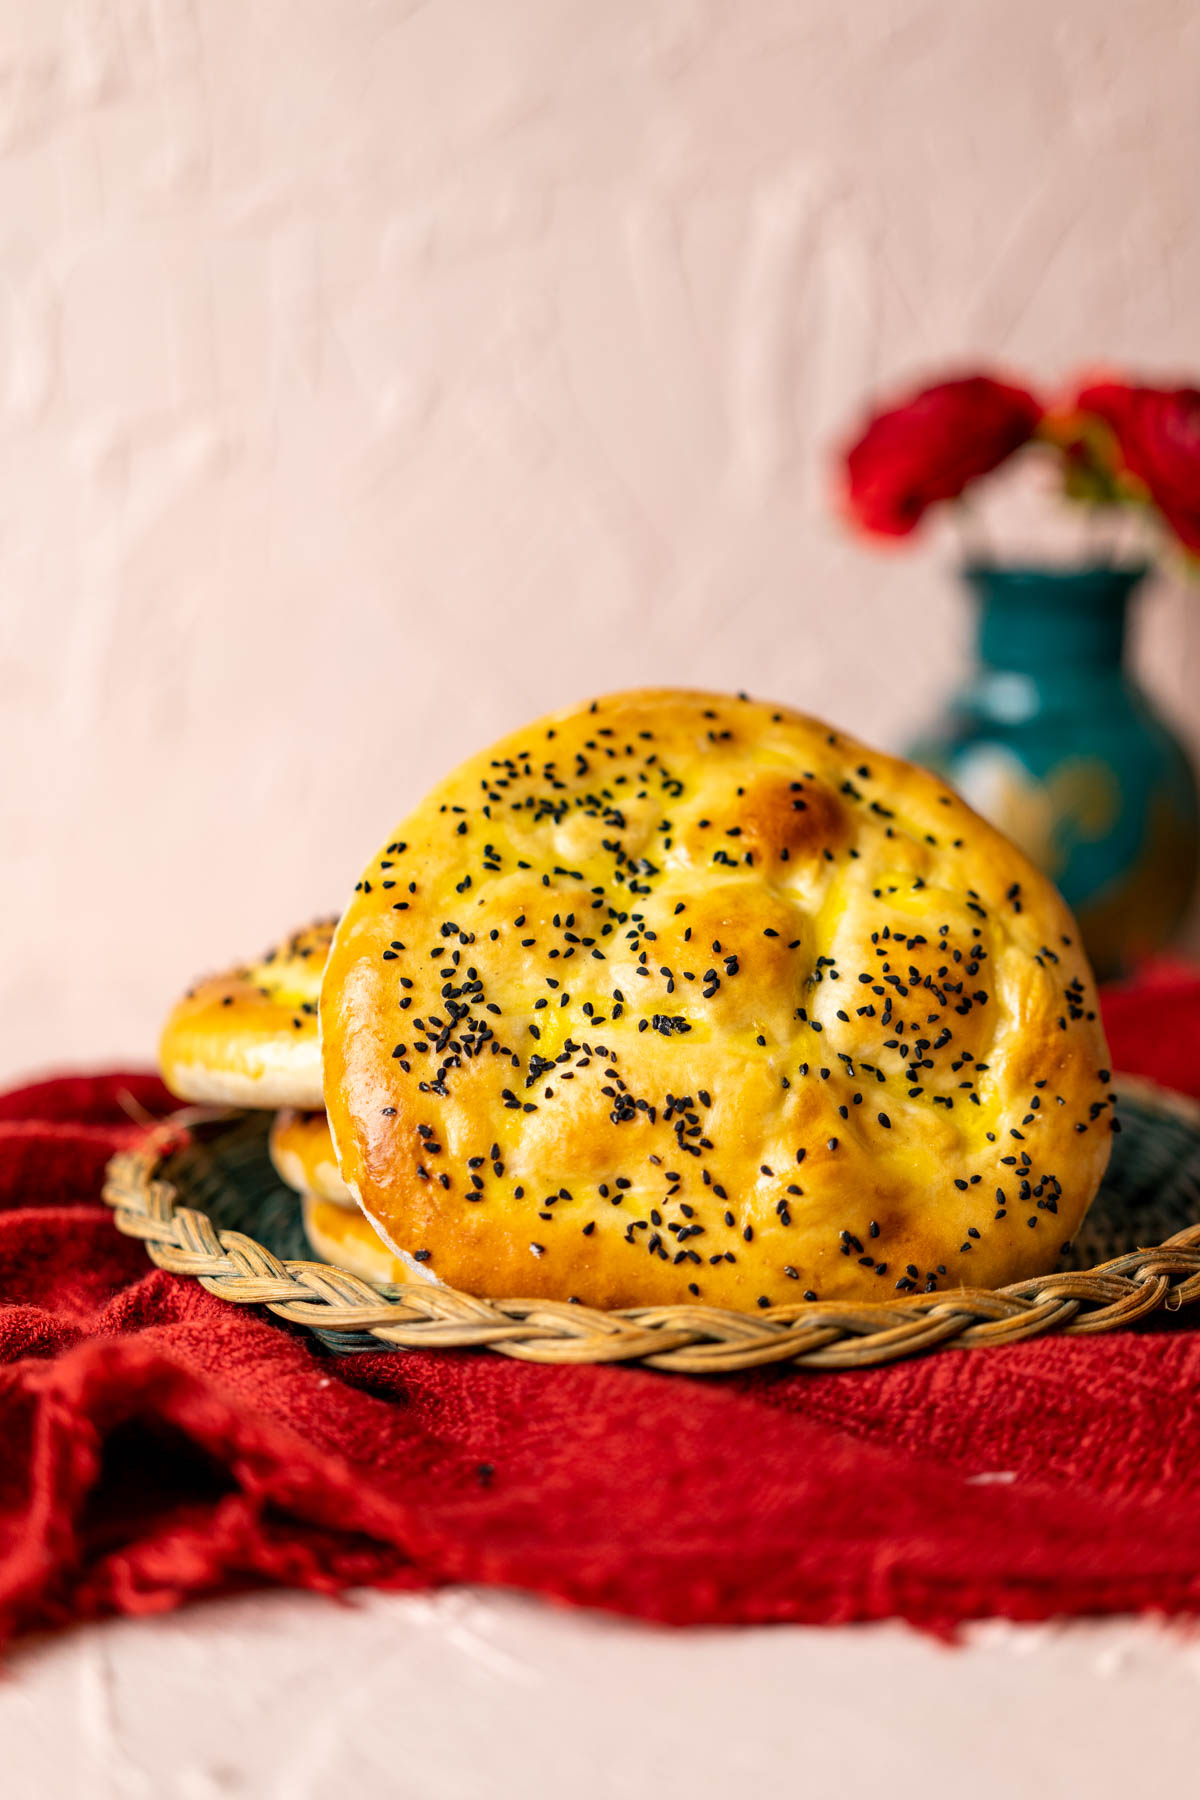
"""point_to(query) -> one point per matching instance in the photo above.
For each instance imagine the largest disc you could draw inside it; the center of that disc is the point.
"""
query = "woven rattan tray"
(203, 1197)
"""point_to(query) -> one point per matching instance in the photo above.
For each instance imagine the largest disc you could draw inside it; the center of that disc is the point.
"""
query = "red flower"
(932, 445)
(1156, 436)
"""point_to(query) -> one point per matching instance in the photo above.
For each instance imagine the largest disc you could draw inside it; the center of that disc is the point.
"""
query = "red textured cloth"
(156, 1443)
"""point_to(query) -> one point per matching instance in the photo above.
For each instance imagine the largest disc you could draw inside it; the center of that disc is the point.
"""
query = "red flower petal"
(930, 446)
(1156, 432)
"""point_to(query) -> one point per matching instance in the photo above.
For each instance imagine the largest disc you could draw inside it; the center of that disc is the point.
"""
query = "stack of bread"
(676, 998)
(249, 1038)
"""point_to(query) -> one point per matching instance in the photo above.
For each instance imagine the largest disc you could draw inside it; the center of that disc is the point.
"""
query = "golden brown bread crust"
(249, 1037)
(678, 996)
(303, 1154)
(342, 1236)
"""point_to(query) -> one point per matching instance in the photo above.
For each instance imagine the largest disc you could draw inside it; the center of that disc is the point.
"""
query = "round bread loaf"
(342, 1236)
(303, 1155)
(249, 1037)
(678, 996)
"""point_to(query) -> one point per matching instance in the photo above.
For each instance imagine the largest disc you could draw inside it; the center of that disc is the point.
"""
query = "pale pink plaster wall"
(374, 375)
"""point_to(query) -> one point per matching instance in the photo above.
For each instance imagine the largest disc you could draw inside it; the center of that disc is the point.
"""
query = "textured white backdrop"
(374, 374)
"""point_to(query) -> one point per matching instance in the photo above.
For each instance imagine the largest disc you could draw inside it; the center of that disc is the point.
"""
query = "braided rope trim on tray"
(692, 1340)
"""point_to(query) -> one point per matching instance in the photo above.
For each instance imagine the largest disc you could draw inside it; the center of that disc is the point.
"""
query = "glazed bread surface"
(249, 1037)
(303, 1155)
(677, 996)
(342, 1236)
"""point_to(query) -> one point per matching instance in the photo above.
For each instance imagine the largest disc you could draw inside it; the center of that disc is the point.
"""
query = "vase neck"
(1039, 620)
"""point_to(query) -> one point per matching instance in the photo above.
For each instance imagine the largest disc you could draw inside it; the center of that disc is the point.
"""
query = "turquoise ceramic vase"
(1053, 741)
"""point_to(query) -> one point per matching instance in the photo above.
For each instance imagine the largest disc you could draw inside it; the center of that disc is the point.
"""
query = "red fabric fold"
(157, 1443)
